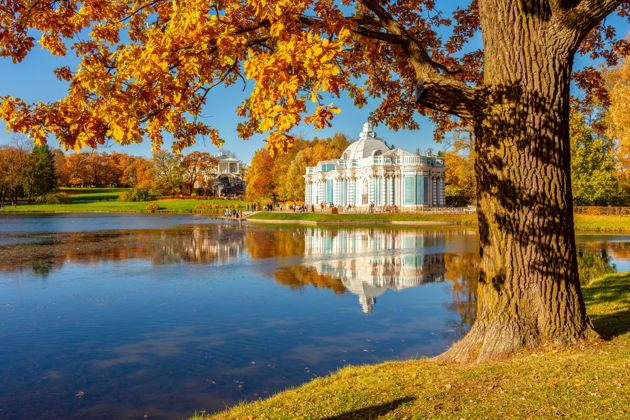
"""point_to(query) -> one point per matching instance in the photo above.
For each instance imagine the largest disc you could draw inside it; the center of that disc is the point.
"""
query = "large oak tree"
(149, 66)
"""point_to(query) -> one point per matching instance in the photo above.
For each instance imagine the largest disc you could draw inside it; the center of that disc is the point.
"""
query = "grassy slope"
(582, 222)
(105, 200)
(584, 382)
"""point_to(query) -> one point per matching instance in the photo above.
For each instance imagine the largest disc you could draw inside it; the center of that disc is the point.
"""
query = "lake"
(126, 316)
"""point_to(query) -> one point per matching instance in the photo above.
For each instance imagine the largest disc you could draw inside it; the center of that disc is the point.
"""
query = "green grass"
(582, 222)
(105, 200)
(464, 219)
(586, 382)
(602, 223)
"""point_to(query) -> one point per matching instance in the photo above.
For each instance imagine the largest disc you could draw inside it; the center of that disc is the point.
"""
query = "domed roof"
(366, 146)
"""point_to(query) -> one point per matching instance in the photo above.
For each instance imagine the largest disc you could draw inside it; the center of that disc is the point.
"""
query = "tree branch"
(584, 16)
(441, 91)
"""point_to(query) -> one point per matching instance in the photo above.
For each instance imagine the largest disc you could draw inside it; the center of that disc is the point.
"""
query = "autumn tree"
(168, 172)
(196, 167)
(14, 171)
(617, 81)
(291, 184)
(282, 177)
(259, 178)
(592, 165)
(139, 173)
(146, 68)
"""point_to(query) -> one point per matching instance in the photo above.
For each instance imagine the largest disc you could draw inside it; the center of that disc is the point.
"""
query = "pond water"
(115, 316)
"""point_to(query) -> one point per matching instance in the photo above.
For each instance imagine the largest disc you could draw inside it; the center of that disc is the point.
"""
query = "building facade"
(225, 179)
(370, 173)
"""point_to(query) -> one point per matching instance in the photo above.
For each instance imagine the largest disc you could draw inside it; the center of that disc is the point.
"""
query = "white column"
(391, 190)
(430, 192)
(384, 191)
(322, 191)
(371, 190)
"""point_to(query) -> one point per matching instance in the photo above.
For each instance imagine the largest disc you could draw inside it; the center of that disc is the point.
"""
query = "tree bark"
(529, 294)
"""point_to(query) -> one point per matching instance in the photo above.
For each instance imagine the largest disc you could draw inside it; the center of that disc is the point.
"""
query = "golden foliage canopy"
(147, 67)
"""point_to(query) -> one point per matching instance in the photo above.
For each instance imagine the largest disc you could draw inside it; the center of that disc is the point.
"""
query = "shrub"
(53, 198)
(152, 207)
(140, 194)
(137, 194)
(125, 196)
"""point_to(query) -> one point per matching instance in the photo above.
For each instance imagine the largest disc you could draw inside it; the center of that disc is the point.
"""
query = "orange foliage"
(147, 67)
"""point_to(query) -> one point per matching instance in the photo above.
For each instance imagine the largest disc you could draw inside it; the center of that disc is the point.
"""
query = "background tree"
(14, 170)
(259, 179)
(592, 165)
(139, 173)
(196, 167)
(40, 175)
(146, 70)
(168, 172)
(617, 118)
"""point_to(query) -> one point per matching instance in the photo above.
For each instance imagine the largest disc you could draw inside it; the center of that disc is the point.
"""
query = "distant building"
(228, 165)
(225, 178)
(369, 172)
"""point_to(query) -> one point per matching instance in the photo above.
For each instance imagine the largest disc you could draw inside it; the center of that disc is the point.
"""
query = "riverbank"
(105, 200)
(595, 223)
(463, 219)
(589, 381)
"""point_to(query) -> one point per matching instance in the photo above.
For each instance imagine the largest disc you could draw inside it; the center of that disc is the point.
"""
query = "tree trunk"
(529, 294)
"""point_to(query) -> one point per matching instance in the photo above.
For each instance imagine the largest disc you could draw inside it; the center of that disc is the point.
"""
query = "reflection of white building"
(216, 244)
(370, 262)
(369, 172)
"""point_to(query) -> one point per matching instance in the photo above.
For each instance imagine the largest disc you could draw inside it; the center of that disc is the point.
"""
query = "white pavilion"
(369, 172)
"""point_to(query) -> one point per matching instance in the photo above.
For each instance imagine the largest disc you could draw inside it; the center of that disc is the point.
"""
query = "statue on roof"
(368, 131)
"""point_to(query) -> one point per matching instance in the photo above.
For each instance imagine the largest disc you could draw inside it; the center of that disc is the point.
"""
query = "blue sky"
(33, 80)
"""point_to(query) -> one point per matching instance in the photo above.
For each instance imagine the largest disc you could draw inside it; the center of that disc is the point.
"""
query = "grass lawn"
(105, 200)
(585, 382)
(582, 222)
(463, 219)
(602, 223)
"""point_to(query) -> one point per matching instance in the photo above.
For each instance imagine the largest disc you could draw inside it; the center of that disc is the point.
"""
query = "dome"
(366, 146)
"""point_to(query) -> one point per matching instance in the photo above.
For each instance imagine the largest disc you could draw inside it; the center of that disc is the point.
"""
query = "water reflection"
(369, 262)
(594, 260)
(215, 244)
(365, 262)
(199, 316)
(462, 271)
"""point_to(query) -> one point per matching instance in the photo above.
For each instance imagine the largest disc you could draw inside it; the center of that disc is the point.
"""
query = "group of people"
(234, 213)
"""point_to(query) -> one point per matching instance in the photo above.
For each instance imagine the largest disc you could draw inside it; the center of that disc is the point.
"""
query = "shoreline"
(355, 222)
(545, 381)
(583, 223)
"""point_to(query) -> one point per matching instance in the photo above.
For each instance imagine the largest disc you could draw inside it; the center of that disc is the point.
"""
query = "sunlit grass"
(589, 381)
(464, 219)
(105, 200)
(582, 222)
